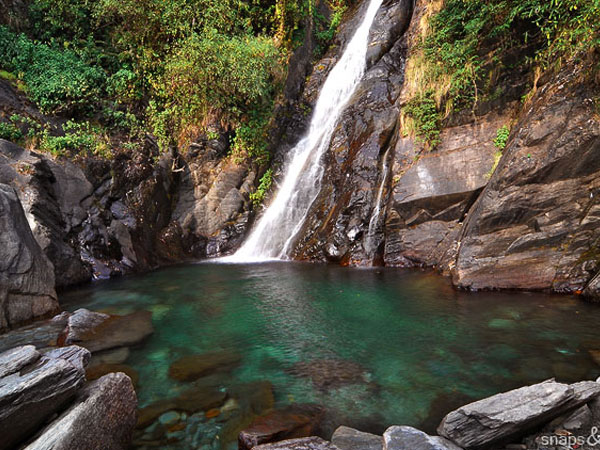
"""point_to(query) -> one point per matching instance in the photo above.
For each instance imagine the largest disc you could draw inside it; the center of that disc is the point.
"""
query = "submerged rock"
(293, 422)
(330, 373)
(189, 401)
(509, 415)
(307, 443)
(102, 417)
(346, 438)
(112, 332)
(192, 367)
(409, 438)
(81, 322)
(31, 395)
(99, 370)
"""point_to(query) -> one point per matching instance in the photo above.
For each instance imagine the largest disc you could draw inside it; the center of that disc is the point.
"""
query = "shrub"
(502, 137)
(10, 132)
(263, 187)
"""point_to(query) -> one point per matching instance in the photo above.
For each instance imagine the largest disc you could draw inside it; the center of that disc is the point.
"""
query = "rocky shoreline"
(544, 416)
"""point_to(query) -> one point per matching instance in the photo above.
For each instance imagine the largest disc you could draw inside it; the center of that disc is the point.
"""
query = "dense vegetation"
(466, 46)
(114, 70)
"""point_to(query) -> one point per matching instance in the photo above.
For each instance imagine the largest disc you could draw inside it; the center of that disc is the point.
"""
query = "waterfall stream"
(273, 235)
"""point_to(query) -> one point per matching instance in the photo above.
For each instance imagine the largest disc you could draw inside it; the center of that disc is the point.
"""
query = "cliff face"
(529, 223)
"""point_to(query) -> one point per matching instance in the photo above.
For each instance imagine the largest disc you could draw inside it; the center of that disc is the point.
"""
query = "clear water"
(273, 235)
(425, 347)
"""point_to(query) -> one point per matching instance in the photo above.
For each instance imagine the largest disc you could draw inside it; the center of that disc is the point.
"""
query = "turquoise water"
(424, 347)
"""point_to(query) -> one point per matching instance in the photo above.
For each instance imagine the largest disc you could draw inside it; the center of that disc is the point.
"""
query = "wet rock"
(505, 416)
(409, 438)
(26, 275)
(192, 367)
(82, 321)
(346, 438)
(293, 422)
(189, 401)
(118, 331)
(388, 26)
(115, 356)
(102, 417)
(308, 443)
(99, 370)
(330, 373)
(14, 360)
(257, 396)
(32, 395)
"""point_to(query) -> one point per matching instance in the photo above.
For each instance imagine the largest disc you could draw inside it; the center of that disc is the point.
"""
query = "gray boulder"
(346, 438)
(308, 443)
(26, 275)
(79, 357)
(509, 415)
(29, 396)
(409, 438)
(102, 417)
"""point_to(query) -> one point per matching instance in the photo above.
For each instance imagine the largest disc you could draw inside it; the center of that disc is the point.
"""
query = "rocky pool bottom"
(295, 348)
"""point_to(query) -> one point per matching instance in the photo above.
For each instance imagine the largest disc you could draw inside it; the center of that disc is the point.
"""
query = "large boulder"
(409, 438)
(26, 275)
(56, 197)
(346, 438)
(102, 417)
(31, 393)
(506, 416)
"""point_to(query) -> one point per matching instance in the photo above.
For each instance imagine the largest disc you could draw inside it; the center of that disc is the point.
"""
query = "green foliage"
(426, 119)
(170, 68)
(10, 132)
(219, 76)
(79, 138)
(263, 187)
(467, 44)
(502, 137)
(58, 80)
(326, 30)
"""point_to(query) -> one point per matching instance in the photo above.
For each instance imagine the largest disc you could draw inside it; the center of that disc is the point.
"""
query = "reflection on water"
(424, 348)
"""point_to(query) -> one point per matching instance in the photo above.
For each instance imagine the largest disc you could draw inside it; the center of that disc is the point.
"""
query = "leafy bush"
(57, 80)
(465, 43)
(78, 138)
(423, 111)
(211, 76)
(263, 187)
(502, 137)
(10, 132)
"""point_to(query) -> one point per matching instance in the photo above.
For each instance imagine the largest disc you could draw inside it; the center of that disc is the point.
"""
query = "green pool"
(413, 346)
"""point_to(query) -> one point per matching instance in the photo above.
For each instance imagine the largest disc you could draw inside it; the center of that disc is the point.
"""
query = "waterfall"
(274, 233)
(374, 223)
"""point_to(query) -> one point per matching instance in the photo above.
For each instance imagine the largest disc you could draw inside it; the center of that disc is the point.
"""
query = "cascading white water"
(375, 219)
(274, 233)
